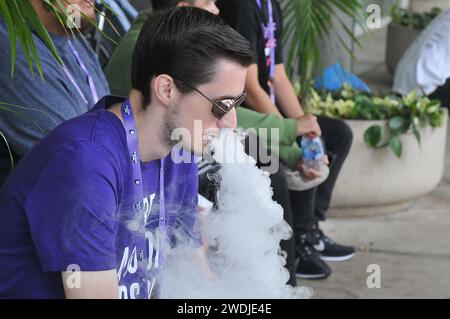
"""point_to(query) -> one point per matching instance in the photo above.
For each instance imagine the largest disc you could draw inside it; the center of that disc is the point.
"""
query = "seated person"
(100, 193)
(425, 66)
(31, 106)
(271, 92)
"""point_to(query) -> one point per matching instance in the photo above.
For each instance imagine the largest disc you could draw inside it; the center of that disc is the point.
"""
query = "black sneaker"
(310, 266)
(329, 250)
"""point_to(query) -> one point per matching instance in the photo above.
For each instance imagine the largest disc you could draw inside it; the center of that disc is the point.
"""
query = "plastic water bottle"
(313, 152)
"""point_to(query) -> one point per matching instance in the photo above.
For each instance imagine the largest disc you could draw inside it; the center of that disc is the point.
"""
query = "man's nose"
(229, 120)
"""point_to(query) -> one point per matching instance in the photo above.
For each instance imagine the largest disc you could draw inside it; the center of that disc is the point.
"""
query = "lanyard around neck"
(86, 72)
(133, 148)
(269, 35)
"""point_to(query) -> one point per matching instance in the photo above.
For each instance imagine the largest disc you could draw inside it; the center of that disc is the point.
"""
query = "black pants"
(310, 206)
(302, 210)
(442, 94)
(281, 196)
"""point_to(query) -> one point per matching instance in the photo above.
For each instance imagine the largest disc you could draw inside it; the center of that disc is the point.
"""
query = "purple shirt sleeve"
(72, 209)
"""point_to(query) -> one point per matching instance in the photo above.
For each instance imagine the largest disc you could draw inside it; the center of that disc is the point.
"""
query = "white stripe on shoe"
(340, 258)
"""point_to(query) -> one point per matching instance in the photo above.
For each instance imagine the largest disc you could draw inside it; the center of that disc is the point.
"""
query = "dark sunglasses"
(220, 107)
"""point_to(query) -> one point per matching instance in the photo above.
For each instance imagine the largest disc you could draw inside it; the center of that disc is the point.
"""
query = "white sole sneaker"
(305, 276)
(343, 258)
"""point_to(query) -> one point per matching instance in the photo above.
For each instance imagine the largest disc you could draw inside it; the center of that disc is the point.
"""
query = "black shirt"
(245, 17)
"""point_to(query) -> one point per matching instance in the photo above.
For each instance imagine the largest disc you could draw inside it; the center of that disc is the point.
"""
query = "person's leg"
(303, 206)
(311, 206)
(281, 196)
(310, 265)
(442, 94)
(338, 141)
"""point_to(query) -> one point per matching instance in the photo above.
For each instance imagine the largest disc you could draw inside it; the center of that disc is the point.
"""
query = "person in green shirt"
(117, 72)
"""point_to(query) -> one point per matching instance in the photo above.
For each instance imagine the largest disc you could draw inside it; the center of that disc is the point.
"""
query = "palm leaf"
(21, 20)
(308, 23)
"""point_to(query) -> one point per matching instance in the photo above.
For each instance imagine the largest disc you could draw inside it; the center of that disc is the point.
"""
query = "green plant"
(20, 18)
(413, 19)
(403, 114)
(307, 23)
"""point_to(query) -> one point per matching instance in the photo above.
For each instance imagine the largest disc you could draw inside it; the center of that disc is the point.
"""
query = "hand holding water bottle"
(310, 167)
(313, 152)
(314, 158)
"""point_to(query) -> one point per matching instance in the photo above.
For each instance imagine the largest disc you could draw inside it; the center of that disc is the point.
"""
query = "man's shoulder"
(96, 126)
(90, 136)
(71, 149)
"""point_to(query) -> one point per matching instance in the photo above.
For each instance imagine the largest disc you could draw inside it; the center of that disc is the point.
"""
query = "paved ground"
(412, 248)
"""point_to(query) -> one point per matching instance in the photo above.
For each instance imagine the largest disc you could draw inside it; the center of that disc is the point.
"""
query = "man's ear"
(163, 89)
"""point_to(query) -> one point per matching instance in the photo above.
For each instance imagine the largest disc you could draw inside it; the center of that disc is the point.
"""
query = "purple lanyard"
(269, 35)
(133, 148)
(86, 72)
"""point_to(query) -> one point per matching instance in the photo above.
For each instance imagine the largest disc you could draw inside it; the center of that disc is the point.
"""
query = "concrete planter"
(427, 5)
(399, 38)
(377, 182)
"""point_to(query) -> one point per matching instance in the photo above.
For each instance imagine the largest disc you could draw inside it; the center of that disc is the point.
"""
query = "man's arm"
(289, 129)
(74, 207)
(285, 94)
(257, 98)
(92, 285)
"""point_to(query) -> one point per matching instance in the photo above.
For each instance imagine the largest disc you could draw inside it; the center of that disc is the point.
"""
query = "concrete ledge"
(376, 181)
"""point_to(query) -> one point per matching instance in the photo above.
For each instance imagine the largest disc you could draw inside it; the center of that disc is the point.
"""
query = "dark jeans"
(310, 206)
(281, 196)
(302, 210)
(442, 94)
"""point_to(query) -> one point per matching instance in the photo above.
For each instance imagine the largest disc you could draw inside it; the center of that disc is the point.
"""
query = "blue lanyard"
(269, 35)
(133, 148)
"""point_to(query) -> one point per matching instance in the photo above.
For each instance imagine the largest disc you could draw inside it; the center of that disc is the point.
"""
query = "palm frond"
(308, 23)
(22, 20)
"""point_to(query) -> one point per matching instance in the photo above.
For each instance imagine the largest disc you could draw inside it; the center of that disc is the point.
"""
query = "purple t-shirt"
(68, 206)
